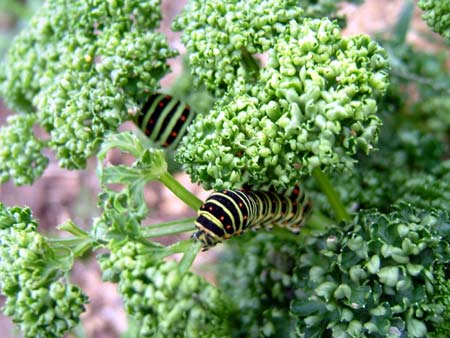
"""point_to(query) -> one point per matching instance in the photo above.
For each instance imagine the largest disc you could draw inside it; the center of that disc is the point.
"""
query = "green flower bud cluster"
(85, 69)
(376, 277)
(37, 298)
(314, 107)
(20, 151)
(437, 16)
(214, 32)
(16, 218)
(165, 301)
(256, 275)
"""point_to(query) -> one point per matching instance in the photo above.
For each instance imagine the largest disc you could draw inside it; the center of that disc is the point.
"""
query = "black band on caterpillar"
(164, 119)
(230, 212)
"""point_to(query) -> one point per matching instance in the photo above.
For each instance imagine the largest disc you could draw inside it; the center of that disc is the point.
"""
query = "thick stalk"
(180, 191)
(332, 196)
(169, 228)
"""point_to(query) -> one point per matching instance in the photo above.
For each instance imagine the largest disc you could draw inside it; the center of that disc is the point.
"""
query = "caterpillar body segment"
(164, 119)
(228, 213)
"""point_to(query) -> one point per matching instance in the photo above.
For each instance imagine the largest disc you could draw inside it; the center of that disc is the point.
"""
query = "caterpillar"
(164, 119)
(228, 213)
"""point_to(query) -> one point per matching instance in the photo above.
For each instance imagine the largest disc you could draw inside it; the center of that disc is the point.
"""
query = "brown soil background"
(61, 194)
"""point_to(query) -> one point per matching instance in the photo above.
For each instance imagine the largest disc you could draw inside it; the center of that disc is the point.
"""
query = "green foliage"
(178, 305)
(122, 214)
(150, 163)
(124, 210)
(256, 275)
(441, 293)
(381, 275)
(38, 298)
(20, 151)
(81, 69)
(314, 107)
(437, 16)
(434, 113)
(405, 169)
(85, 68)
(375, 277)
(420, 82)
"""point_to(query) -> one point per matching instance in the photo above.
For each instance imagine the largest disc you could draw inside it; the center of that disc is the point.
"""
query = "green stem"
(79, 250)
(421, 80)
(403, 22)
(332, 196)
(181, 192)
(159, 253)
(65, 242)
(74, 229)
(189, 256)
(178, 247)
(169, 228)
(78, 246)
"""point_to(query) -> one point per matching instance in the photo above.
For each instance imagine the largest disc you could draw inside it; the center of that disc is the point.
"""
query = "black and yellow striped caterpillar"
(231, 212)
(164, 119)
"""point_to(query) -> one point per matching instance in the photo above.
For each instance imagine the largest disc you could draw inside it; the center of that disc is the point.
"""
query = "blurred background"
(61, 194)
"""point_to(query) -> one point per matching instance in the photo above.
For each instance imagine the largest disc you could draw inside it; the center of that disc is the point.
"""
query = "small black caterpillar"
(164, 119)
(230, 212)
